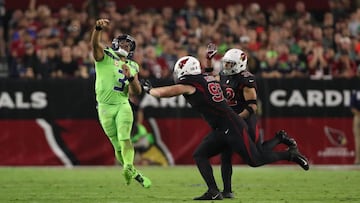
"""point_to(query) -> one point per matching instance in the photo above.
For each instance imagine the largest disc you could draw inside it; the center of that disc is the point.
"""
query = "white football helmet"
(187, 65)
(234, 61)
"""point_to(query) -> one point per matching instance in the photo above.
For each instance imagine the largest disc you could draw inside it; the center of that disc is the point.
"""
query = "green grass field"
(178, 184)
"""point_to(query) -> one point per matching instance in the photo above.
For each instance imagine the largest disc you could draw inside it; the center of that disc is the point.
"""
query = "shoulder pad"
(187, 80)
(246, 74)
(109, 52)
(248, 79)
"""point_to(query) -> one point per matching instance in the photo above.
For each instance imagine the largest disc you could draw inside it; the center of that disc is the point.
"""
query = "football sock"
(226, 170)
(268, 145)
(206, 172)
(127, 152)
(119, 157)
(226, 173)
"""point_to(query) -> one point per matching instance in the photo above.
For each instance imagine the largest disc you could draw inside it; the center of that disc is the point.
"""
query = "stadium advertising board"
(315, 112)
(55, 122)
(50, 123)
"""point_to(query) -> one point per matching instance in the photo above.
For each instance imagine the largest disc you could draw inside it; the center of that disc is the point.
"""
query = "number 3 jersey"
(233, 86)
(209, 101)
(111, 85)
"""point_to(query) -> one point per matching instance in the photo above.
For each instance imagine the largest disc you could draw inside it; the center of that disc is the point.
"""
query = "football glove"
(146, 85)
(211, 51)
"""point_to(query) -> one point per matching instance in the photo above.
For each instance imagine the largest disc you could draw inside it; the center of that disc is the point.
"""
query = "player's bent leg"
(129, 170)
(269, 145)
(109, 126)
(285, 139)
(128, 155)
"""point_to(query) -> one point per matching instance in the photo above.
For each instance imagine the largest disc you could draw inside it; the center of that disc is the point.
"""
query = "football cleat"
(285, 139)
(228, 195)
(131, 173)
(298, 158)
(216, 195)
(144, 181)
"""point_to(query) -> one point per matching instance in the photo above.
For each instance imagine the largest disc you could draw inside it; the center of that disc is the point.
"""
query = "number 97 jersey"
(208, 100)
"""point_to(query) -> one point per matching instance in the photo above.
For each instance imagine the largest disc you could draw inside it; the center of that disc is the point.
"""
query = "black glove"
(146, 85)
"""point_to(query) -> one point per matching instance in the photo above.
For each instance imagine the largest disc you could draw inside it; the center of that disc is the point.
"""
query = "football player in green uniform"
(116, 78)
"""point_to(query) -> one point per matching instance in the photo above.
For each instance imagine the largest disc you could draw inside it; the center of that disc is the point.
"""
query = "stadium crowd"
(39, 42)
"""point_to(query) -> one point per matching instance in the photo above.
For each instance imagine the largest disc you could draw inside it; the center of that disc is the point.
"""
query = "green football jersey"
(111, 85)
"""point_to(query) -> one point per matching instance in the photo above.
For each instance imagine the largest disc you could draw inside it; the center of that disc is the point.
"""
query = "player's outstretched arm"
(96, 38)
(171, 91)
(135, 87)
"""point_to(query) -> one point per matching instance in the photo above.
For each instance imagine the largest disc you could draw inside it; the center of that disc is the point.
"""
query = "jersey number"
(216, 92)
(230, 96)
(121, 81)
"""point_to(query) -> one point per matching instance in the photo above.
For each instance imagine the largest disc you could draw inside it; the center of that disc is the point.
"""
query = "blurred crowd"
(39, 42)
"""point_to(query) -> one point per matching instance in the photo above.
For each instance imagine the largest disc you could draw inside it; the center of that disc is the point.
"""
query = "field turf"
(287, 184)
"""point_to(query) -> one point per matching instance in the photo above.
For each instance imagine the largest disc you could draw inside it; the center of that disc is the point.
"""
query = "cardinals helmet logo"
(182, 63)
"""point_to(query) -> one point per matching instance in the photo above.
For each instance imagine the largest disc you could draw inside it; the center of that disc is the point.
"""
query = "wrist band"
(98, 28)
(251, 101)
(130, 79)
(250, 110)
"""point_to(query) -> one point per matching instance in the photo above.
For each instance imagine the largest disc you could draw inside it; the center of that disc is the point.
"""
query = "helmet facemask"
(233, 62)
(228, 67)
(124, 45)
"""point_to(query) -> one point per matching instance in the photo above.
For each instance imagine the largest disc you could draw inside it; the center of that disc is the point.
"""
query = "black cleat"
(210, 196)
(285, 139)
(298, 158)
(228, 195)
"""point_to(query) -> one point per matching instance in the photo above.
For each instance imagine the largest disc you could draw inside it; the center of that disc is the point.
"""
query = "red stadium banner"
(322, 140)
(36, 142)
(55, 122)
(82, 142)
